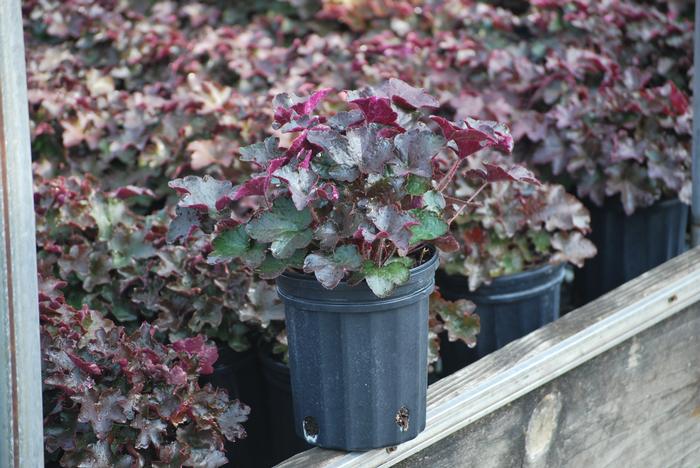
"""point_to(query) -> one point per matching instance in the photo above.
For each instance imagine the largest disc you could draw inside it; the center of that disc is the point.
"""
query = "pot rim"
(515, 286)
(306, 291)
(434, 258)
(615, 204)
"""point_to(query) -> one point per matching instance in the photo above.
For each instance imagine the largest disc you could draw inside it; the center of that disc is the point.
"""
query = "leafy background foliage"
(127, 95)
(117, 399)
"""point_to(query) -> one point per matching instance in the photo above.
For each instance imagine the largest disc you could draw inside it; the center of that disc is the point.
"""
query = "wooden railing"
(614, 383)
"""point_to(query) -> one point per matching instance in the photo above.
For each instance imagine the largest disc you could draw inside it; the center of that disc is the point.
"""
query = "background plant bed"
(630, 245)
(358, 363)
(509, 308)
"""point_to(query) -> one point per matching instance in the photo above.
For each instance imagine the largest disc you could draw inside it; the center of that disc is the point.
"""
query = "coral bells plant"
(612, 84)
(355, 195)
(119, 262)
(517, 227)
(118, 399)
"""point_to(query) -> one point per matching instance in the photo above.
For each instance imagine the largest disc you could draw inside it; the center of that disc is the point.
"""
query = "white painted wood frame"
(21, 422)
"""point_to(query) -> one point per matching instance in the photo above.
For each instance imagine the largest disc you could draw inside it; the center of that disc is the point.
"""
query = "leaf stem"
(469, 201)
(380, 253)
(449, 176)
(314, 215)
(391, 253)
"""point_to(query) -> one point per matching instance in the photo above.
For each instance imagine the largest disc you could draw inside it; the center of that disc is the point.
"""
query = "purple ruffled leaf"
(251, 187)
(498, 173)
(393, 224)
(417, 148)
(376, 110)
(290, 106)
(474, 135)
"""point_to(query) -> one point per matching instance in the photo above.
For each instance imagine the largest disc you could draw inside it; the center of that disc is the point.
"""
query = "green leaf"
(107, 213)
(289, 242)
(416, 185)
(284, 226)
(231, 244)
(235, 243)
(431, 226)
(331, 269)
(272, 267)
(383, 280)
(434, 201)
(458, 318)
(541, 241)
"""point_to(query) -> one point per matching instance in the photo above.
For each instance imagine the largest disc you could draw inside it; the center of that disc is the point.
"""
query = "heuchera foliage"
(354, 195)
(456, 318)
(596, 92)
(114, 399)
(515, 227)
(119, 262)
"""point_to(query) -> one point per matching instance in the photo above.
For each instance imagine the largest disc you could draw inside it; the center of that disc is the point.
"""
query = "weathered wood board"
(637, 405)
(623, 377)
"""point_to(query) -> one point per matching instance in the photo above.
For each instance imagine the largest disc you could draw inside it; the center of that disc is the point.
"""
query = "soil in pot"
(629, 245)
(358, 363)
(240, 374)
(509, 308)
(284, 441)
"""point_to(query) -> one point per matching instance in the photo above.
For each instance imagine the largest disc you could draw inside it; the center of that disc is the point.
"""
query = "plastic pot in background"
(358, 363)
(240, 374)
(629, 245)
(284, 441)
(509, 308)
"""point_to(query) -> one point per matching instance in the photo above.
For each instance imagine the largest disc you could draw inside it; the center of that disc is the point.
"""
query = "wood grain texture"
(636, 405)
(21, 434)
(531, 362)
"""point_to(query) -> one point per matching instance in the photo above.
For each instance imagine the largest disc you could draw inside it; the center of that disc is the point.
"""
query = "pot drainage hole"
(310, 427)
(401, 419)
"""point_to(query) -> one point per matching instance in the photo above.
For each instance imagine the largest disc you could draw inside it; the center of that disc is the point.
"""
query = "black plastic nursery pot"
(240, 375)
(284, 442)
(629, 245)
(358, 363)
(509, 308)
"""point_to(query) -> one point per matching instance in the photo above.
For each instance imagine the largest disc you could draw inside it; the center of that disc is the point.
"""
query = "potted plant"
(513, 248)
(347, 218)
(448, 322)
(615, 125)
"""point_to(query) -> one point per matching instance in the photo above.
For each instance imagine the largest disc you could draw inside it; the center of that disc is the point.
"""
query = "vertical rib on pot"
(358, 363)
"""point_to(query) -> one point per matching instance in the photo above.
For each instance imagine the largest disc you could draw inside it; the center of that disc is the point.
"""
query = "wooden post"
(695, 218)
(21, 431)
